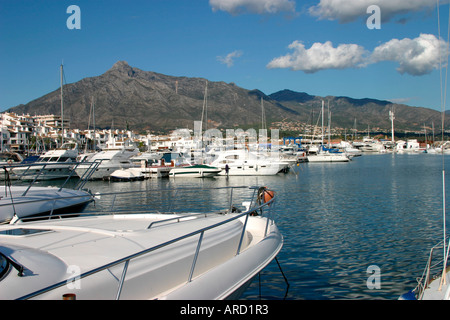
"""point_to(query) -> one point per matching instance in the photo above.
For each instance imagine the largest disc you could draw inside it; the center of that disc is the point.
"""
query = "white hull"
(194, 172)
(243, 163)
(54, 164)
(71, 247)
(438, 291)
(328, 157)
(130, 174)
(104, 170)
(50, 172)
(411, 151)
(39, 201)
(111, 159)
(253, 170)
(430, 286)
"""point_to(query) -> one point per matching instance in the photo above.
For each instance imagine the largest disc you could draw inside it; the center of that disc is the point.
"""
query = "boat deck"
(93, 241)
(132, 229)
(433, 292)
(139, 255)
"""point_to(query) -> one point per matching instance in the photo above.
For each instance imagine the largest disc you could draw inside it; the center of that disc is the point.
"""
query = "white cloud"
(320, 56)
(253, 6)
(350, 10)
(416, 57)
(229, 58)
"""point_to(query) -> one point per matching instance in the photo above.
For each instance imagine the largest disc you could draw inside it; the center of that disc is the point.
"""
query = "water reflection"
(337, 219)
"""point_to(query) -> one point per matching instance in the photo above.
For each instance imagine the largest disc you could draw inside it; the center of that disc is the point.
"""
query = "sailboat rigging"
(437, 287)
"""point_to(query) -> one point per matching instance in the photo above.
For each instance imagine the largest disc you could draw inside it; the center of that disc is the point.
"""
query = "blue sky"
(321, 47)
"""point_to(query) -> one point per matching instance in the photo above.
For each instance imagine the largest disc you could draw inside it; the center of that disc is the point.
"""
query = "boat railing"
(436, 263)
(257, 207)
(11, 174)
(110, 206)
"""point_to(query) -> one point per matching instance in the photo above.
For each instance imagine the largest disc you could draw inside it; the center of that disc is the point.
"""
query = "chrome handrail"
(432, 269)
(111, 206)
(127, 259)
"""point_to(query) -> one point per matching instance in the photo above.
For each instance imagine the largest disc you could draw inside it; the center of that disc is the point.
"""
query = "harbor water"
(357, 230)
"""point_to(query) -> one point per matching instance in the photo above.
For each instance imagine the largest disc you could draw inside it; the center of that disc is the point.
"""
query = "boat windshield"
(68, 146)
(4, 265)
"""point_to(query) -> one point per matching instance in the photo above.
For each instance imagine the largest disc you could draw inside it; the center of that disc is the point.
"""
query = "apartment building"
(16, 131)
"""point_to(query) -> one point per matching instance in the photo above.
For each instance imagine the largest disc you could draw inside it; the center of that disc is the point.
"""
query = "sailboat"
(327, 154)
(434, 282)
(54, 164)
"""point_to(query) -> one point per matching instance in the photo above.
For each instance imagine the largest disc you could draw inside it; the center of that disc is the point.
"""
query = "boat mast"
(322, 120)
(329, 125)
(93, 123)
(443, 102)
(263, 116)
(204, 111)
(62, 107)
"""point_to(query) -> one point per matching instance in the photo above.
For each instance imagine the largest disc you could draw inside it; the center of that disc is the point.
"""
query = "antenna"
(392, 118)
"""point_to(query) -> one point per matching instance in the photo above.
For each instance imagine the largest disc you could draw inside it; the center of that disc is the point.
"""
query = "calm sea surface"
(337, 219)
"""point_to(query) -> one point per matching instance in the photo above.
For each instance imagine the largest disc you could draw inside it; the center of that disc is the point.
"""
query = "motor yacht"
(7, 158)
(22, 201)
(181, 256)
(54, 164)
(114, 157)
(129, 174)
(194, 171)
(241, 162)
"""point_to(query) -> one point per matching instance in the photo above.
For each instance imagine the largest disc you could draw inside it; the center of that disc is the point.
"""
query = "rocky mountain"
(145, 100)
(367, 112)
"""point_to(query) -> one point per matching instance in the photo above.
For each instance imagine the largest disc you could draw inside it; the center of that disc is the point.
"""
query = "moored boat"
(129, 174)
(328, 155)
(434, 284)
(54, 164)
(21, 201)
(142, 255)
(244, 163)
(116, 156)
(194, 171)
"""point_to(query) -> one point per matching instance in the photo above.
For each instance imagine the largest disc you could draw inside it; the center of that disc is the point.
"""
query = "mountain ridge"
(146, 100)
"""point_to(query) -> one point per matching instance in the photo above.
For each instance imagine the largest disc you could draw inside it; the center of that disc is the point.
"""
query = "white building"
(17, 130)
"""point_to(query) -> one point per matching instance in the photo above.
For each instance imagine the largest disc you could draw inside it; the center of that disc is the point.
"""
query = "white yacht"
(54, 164)
(140, 256)
(7, 158)
(349, 149)
(371, 145)
(115, 156)
(23, 201)
(244, 163)
(292, 154)
(326, 155)
(129, 174)
(194, 171)
(409, 146)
